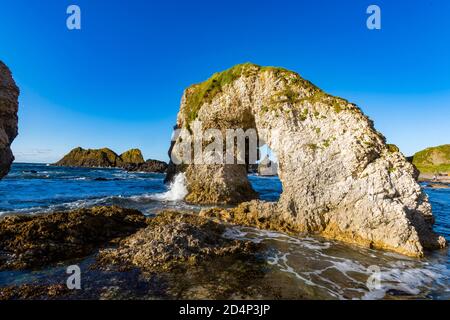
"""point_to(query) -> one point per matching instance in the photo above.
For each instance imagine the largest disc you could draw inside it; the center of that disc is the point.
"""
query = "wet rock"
(30, 242)
(148, 166)
(174, 240)
(259, 214)
(34, 292)
(9, 94)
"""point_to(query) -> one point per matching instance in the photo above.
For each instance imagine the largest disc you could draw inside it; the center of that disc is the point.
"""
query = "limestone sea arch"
(340, 179)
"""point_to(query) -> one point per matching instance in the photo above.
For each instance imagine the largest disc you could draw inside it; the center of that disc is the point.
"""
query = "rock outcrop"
(173, 240)
(29, 242)
(340, 179)
(148, 166)
(9, 94)
(104, 157)
(133, 157)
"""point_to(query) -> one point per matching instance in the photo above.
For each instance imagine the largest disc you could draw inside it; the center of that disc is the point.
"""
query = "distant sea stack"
(104, 157)
(9, 94)
(340, 179)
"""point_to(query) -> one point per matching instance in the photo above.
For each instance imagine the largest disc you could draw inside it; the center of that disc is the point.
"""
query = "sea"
(307, 267)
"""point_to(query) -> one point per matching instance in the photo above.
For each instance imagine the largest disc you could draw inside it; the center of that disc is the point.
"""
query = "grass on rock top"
(204, 92)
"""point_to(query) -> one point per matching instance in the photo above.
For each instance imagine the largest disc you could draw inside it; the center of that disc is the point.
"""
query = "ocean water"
(308, 267)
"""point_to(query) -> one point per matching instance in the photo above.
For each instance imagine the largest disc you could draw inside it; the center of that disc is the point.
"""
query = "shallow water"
(303, 267)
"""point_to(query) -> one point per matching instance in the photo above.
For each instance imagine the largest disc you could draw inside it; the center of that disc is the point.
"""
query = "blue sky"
(117, 82)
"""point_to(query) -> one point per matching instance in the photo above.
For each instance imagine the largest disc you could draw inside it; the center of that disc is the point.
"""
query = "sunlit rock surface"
(340, 179)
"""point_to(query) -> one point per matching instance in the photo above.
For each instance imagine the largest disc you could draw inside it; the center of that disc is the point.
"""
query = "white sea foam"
(177, 190)
(332, 274)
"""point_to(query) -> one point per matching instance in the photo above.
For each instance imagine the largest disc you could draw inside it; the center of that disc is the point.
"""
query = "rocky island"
(131, 160)
(104, 157)
(9, 94)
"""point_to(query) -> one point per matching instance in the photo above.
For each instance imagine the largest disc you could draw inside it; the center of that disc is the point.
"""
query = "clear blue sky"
(118, 81)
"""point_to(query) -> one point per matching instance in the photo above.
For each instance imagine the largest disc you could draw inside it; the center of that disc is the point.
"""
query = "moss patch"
(392, 148)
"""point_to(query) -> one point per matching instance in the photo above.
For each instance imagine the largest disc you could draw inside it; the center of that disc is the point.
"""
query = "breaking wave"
(177, 190)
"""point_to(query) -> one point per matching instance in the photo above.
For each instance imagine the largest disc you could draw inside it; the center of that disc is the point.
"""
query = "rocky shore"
(340, 181)
(168, 247)
(30, 242)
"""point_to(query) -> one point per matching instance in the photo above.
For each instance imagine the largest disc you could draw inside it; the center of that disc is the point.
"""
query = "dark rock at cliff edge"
(148, 166)
(9, 94)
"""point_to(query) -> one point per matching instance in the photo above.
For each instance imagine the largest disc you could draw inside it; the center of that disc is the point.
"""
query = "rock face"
(340, 179)
(34, 241)
(172, 240)
(433, 160)
(9, 94)
(105, 157)
(133, 156)
(148, 166)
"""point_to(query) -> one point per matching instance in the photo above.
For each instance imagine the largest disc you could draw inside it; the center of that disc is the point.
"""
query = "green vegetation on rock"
(104, 157)
(433, 160)
(132, 156)
(393, 148)
(204, 92)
